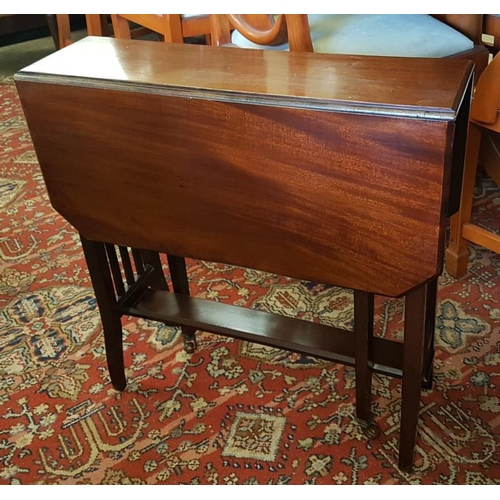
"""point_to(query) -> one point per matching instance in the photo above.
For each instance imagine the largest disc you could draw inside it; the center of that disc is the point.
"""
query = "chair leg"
(94, 24)
(172, 28)
(180, 284)
(121, 27)
(363, 330)
(95, 255)
(413, 362)
(63, 30)
(457, 254)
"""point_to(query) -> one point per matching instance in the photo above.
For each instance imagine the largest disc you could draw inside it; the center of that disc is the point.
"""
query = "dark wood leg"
(97, 262)
(180, 284)
(430, 326)
(413, 363)
(363, 330)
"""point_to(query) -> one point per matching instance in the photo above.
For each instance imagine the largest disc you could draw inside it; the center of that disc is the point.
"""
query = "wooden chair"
(96, 26)
(483, 146)
(171, 27)
(408, 35)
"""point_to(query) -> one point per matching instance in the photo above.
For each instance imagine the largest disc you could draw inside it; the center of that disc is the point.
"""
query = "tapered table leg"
(180, 284)
(363, 330)
(413, 363)
(95, 255)
(430, 327)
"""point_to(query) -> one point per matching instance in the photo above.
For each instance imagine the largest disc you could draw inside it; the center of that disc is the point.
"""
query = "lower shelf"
(291, 334)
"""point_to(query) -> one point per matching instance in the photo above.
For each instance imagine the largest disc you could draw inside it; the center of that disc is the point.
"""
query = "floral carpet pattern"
(233, 412)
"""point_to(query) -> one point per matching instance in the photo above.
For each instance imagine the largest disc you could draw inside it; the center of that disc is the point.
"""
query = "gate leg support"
(413, 362)
(95, 255)
(180, 284)
(153, 259)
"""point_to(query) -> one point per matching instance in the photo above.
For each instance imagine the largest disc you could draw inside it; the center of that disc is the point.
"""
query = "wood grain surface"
(413, 87)
(352, 199)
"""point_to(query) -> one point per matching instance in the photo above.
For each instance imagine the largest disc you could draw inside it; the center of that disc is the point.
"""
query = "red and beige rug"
(233, 412)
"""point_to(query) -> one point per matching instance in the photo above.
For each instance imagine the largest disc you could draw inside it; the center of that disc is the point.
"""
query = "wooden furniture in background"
(97, 25)
(171, 27)
(270, 166)
(484, 147)
(304, 36)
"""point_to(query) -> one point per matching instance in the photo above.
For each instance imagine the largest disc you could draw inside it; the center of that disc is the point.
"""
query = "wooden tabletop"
(223, 155)
(410, 87)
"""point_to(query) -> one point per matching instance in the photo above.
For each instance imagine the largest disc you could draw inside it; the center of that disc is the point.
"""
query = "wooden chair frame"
(481, 148)
(266, 29)
(173, 28)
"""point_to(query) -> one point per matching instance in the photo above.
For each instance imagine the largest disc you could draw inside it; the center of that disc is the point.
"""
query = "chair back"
(172, 28)
(448, 35)
(486, 104)
(263, 29)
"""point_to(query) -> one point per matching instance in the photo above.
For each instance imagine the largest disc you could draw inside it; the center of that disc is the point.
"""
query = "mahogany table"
(336, 169)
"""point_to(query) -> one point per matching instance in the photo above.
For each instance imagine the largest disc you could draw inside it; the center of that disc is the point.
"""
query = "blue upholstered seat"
(406, 35)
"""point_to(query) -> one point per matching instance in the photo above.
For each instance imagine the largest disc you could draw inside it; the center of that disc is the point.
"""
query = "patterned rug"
(233, 412)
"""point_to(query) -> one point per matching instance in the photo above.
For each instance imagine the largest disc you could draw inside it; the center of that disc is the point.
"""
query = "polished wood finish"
(95, 255)
(411, 88)
(413, 368)
(317, 340)
(483, 144)
(335, 169)
(430, 320)
(298, 240)
(302, 147)
(363, 329)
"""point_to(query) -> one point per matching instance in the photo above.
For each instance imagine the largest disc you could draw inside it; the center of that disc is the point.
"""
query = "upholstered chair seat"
(406, 35)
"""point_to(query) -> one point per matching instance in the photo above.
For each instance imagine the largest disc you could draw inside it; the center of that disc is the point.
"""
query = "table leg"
(430, 327)
(413, 362)
(97, 262)
(180, 284)
(363, 330)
